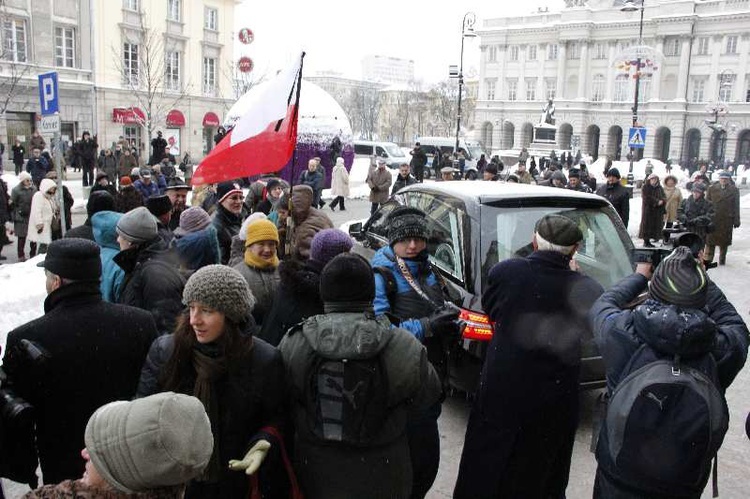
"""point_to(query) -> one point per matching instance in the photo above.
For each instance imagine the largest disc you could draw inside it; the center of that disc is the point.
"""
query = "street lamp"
(631, 6)
(719, 138)
(467, 31)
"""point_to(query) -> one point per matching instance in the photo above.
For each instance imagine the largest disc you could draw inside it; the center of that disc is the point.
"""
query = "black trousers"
(338, 200)
(424, 448)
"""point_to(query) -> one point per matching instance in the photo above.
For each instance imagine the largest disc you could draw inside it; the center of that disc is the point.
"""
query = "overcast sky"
(337, 34)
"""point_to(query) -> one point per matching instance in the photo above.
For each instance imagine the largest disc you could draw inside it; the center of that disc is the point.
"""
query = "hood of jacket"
(104, 227)
(302, 198)
(46, 185)
(355, 335)
(198, 249)
(672, 330)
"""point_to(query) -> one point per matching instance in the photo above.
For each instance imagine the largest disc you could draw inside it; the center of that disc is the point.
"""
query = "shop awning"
(210, 119)
(128, 115)
(175, 118)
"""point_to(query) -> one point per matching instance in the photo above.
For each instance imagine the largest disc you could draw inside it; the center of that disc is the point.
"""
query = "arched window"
(621, 88)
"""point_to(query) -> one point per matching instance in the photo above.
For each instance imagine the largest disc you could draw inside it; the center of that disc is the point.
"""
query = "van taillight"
(476, 326)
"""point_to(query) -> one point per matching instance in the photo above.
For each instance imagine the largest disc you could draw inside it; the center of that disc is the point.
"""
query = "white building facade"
(385, 69)
(572, 57)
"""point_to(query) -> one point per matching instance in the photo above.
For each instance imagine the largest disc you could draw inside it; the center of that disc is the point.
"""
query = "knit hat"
(406, 222)
(328, 243)
(126, 181)
(101, 175)
(559, 230)
(698, 187)
(574, 173)
(99, 201)
(159, 441)
(159, 205)
(177, 183)
(221, 288)
(680, 280)
(348, 277)
(261, 230)
(272, 184)
(135, 172)
(252, 218)
(73, 258)
(193, 219)
(24, 176)
(614, 172)
(138, 226)
(225, 189)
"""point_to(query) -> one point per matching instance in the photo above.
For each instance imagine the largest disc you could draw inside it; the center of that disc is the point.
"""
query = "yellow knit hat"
(262, 230)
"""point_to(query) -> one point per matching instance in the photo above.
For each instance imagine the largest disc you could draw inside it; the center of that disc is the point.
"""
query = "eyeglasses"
(237, 198)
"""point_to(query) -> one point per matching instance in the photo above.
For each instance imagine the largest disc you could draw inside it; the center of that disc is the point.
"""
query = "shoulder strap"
(390, 282)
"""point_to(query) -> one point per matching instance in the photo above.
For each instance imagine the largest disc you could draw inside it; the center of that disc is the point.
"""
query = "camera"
(674, 235)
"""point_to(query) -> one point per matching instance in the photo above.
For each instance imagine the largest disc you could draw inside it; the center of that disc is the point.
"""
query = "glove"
(253, 459)
(442, 322)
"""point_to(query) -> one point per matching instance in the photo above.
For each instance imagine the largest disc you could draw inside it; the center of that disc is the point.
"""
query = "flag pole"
(295, 120)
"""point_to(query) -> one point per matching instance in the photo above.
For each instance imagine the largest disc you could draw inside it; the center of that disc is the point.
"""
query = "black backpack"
(666, 421)
(346, 400)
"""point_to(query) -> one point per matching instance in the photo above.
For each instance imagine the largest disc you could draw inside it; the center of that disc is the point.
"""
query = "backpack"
(346, 400)
(666, 420)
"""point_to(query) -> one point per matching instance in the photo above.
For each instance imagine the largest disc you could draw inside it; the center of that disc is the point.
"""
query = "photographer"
(519, 439)
(407, 288)
(696, 213)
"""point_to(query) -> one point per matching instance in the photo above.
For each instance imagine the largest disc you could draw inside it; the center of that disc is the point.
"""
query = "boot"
(709, 264)
(722, 256)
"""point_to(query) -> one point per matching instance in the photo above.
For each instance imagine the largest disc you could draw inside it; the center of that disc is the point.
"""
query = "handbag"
(55, 225)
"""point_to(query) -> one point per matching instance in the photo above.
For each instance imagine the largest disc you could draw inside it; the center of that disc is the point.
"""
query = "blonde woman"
(44, 219)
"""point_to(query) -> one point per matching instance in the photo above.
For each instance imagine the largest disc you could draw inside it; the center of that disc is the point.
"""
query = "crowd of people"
(239, 347)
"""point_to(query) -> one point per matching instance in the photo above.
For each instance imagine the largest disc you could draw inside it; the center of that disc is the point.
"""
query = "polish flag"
(264, 137)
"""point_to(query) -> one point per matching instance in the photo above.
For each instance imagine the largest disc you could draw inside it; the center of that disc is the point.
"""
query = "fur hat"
(680, 280)
(261, 230)
(99, 201)
(159, 441)
(405, 222)
(138, 226)
(698, 187)
(159, 205)
(221, 288)
(559, 230)
(328, 243)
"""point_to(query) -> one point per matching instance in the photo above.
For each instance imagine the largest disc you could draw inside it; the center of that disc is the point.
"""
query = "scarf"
(253, 260)
(209, 368)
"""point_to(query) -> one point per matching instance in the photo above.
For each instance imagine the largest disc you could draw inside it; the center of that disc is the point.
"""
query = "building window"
(514, 52)
(14, 40)
(597, 88)
(552, 51)
(644, 89)
(65, 47)
(209, 76)
(703, 44)
(726, 85)
(672, 47)
(600, 51)
(530, 89)
(130, 64)
(621, 46)
(574, 51)
(173, 10)
(699, 90)
(490, 86)
(172, 71)
(550, 88)
(732, 44)
(211, 19)
(621, 88)
(532, 53)
(747, 86)
(131, 5)
(512, 89)
(492, 53)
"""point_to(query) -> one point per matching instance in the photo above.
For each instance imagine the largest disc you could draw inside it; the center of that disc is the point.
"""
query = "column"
(656, 78)
(541, 56)
(561, 55)
(682, 79)
(583, 71)
(611, 73)
(739, 84)
(712, 91)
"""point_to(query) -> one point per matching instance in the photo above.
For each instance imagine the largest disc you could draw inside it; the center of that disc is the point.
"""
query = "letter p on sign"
(48, 93)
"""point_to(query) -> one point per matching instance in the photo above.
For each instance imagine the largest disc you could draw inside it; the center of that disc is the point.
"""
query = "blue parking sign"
(637, 137)
(48, 93)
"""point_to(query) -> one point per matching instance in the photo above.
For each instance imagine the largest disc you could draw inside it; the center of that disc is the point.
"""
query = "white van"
(392, 153)
(471, 150)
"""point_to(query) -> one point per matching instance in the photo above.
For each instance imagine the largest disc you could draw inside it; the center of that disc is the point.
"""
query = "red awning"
(210, 119)
(175, 118)
(128, 115)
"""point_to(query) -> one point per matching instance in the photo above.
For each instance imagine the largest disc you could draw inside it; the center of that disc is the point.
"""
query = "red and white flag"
(264, 137)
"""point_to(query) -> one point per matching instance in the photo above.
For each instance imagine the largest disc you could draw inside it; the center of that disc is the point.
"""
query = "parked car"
(474, 225)
(471, 151)
(392, 153)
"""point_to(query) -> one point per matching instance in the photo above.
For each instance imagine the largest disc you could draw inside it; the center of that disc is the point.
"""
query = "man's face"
(723, 181)
(403, 170)
(103, 181)
(487, 175)
(311, 166)
(697, 195)
(178, 197)
(521, 167)
(36, 153)
(381, 166)
(447, 175)
(557, 182)
(612, 180)
(574, 181)
(127, 152)
(52, 282)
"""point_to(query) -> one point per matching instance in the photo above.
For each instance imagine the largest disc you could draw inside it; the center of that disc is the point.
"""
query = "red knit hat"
(126, 181)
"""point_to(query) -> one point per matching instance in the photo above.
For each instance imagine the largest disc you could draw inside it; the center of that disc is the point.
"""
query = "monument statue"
(548, 113)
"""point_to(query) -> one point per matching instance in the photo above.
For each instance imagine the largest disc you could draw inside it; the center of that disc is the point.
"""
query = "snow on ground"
(22, 294)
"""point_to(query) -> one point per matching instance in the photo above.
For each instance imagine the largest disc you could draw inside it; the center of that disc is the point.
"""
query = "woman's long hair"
(179, 374)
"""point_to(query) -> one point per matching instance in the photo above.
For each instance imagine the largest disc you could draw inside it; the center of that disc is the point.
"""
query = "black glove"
(442, 322)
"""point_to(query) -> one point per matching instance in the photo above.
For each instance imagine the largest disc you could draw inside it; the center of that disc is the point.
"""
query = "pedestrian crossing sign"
(637, 137)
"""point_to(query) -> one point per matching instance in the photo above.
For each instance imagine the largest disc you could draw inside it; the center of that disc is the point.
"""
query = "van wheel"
(427, 173)
(471, 175)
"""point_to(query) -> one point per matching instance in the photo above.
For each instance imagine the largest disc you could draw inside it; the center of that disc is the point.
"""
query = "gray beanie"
(221, 288)
(138, 226)
(158, 441)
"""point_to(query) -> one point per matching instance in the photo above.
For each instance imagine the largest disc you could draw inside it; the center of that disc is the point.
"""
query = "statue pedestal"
(544, 133)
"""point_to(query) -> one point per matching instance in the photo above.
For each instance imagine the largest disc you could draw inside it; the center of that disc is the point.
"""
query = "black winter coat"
(652, 218)
(521, 429)
(95, 354)
(227, 225)
(401, 182)
(619, 196)
(668, 330)
(152, 282)
(697, 215)
(86, 150)
(297, 298)
(250, 397)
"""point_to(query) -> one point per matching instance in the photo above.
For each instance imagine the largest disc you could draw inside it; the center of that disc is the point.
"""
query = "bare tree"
(155, 85)
(366, 109)
(444, 103)
(11, 72)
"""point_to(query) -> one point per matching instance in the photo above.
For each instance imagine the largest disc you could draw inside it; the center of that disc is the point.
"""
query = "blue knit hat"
(328, 243)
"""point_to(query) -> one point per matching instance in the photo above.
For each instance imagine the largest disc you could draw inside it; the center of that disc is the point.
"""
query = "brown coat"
(70, 489)
(652, 218)
(674, 198)
(307, 221)
(379, 182)
(726, 213)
